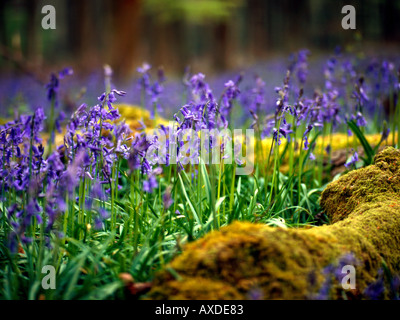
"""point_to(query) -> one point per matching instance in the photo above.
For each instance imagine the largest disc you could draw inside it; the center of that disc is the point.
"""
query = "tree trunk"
(221, 47)
(32, 35)
(258, 33)
(126, 31)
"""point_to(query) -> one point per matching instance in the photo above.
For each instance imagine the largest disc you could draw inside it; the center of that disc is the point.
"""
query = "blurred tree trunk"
(225, 45)
(222, 47)
(125, 35)
(81, 36)
(3, 34)
(297, 23)
(258, 29)
(390, 10)
(168, 44)
(32, 34)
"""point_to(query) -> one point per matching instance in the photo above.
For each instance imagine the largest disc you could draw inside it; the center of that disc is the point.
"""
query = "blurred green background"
(209, 35)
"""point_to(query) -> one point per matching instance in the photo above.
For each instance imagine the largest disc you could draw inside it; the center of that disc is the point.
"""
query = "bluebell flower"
(65, 72)
(308, 130)
(167, 198)
(255, 294)
(53, 85)
(150, 184)
(306, 144)
(328, 149)
(376, 289)
(352, 162)
(360, 120)
(258, 93)
(302, 65)
(231, 92)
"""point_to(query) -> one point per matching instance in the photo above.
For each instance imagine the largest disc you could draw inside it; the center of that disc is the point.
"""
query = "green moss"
(287, 263)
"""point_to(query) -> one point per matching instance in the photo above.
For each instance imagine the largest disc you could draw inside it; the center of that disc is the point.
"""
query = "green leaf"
(195, 215)
(369, 152)
(219, 202)
(104, 291)
(206, 179)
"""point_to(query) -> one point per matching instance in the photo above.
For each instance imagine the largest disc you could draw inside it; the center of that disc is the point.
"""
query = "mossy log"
(245, 260)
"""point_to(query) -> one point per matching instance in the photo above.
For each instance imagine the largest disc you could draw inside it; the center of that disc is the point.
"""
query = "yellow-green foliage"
(132, 114)
(280, 263)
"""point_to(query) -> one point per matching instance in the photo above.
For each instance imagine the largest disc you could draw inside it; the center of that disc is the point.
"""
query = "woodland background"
(211, 35)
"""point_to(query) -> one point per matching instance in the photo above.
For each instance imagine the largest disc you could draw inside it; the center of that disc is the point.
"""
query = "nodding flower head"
(150, 184)
(201, 92)
(359, 119)
(259, 94)
(352, 162)
(144, 80)
(359, 93)
(376, 289)
(137, 157)
(231, 93)
(53, 85)
(302, 65)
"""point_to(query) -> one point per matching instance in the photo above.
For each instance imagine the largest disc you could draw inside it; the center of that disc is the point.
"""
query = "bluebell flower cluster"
(95, 139)
(333, 274)
(151, 90)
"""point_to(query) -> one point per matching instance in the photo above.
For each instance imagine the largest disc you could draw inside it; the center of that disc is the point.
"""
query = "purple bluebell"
(150, 184)
(376, 289)
(167, 198)
(231, 93)
(360, 120)
(352, 162)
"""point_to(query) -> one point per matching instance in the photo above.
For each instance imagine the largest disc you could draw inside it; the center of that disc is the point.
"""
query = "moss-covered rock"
(371, 186)
(276, 263)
